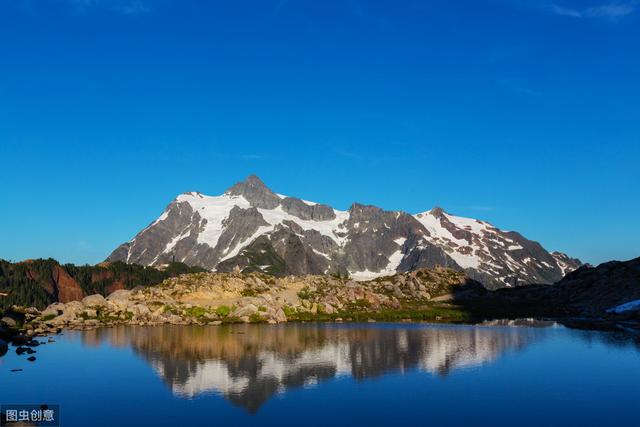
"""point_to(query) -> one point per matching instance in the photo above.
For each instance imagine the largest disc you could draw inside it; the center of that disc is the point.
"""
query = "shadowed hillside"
(38, 283)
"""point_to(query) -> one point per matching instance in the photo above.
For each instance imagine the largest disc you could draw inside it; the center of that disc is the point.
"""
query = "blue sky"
(522, 113)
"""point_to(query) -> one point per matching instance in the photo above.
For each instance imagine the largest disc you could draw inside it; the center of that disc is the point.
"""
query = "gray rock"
(244, 311)
(54, 309)
(9, 321)
(93, 300)
(119, 295)
(140, 310)
(302, 210)
(71, 308)
(254, 190)
(328, 308)
(280, 317)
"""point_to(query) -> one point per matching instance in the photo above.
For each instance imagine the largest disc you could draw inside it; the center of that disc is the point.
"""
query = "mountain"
(609, 292)
(612, 287)
(255, 229)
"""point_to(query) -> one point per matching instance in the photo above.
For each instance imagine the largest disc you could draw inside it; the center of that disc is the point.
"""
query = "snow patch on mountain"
(216, 209)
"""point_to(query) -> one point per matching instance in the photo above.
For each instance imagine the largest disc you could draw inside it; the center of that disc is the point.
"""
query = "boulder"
(54, 309)
(19, 340)
(93, 300)
(397, 292)
(119, 295)
(328, 308)
(280, 317)
(120, 304)
(140, 310)
(4, 347)
(174, 319)
(71, 308)
(9, 321)
(245, 311)
(64, 318)
(6, 334)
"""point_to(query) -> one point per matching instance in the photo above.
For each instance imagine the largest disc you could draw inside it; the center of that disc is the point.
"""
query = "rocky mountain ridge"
(252, 227)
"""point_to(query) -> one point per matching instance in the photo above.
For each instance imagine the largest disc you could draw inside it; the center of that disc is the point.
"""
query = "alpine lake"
(332, 374)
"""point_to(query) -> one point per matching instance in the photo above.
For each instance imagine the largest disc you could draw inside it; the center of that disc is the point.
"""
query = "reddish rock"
(68, 288)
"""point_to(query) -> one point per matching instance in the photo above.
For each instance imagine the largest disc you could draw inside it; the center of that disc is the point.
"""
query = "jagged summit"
(437, 212)
(254, 228)
(251, 183)
(256, 193)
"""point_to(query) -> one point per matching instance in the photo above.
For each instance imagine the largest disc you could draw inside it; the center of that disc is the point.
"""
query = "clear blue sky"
(522, 113)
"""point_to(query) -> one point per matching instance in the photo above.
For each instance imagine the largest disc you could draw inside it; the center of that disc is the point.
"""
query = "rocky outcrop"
(606, 292)
(214, 298)
(302, 210)
(66, 287)
(256, 193)
(595, 290)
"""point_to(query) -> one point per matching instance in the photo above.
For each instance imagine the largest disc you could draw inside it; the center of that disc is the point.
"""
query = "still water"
(332, 375)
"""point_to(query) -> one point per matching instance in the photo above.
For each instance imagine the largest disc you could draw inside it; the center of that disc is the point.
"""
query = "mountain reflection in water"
(248, 364)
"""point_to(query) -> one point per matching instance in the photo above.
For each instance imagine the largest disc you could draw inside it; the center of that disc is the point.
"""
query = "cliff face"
(65, 286)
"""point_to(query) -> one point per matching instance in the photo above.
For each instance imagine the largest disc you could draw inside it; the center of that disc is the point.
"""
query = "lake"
(332, 375)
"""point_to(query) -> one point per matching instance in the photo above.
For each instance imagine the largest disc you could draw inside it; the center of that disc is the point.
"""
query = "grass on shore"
(436, 313)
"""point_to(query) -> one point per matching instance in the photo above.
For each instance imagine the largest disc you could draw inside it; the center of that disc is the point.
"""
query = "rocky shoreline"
(217, 298)
(434, 295)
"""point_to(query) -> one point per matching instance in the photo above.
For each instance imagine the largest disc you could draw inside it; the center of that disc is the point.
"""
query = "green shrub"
(289, 311)
(304, 293)
(256, 318)
(195, 312)
(223, 311)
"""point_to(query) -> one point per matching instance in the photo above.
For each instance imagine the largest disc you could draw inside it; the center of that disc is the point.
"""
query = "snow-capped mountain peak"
(254, 228)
